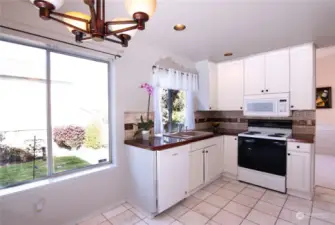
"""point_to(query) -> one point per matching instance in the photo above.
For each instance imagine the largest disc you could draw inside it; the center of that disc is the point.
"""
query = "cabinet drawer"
(203, 144)
(299, 147)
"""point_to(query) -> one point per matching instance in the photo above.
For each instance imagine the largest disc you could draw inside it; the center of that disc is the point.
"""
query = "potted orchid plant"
(145, 126)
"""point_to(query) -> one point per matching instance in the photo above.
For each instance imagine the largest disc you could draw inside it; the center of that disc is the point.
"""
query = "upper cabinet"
(230, 85)
(302, 77)
(267, 73)
(207, 94)
(254, 75)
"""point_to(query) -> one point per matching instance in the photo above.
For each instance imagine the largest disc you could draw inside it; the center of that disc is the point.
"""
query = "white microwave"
(268, 105)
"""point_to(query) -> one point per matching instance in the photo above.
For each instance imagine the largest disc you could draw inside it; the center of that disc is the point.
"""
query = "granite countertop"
(159, 143)
(302, 138)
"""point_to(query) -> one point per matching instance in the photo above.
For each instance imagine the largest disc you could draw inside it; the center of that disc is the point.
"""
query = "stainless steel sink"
(188, 134)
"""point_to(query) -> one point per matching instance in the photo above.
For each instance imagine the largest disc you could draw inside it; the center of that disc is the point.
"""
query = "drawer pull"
(288, 154)
(298, 146)
(174, 154)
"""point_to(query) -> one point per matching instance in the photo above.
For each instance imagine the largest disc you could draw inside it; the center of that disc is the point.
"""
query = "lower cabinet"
(230, 151)
(300, 169)
(172, 176)
(205, 163)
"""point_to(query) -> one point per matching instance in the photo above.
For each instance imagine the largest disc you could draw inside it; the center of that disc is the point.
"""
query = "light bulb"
(56, 3)
(145, 6)
(116, 27)
(76, 23)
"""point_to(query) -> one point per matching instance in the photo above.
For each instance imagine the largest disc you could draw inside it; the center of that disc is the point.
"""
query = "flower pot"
(145, 134)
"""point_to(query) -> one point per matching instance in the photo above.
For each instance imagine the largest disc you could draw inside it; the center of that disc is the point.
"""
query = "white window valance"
(174, 79)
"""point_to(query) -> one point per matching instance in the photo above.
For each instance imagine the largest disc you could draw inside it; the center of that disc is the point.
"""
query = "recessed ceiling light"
(179, 27)
(228, 54)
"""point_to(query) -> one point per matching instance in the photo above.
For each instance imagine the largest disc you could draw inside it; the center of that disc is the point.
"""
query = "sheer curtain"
(176, 80)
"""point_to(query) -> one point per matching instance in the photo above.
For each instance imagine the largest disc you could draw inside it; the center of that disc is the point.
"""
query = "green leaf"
(137, 132)
(142, 121)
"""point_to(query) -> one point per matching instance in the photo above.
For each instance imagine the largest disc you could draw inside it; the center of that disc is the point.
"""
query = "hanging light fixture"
(94, 26)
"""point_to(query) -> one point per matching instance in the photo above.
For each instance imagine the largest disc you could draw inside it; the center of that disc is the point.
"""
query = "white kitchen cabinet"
(230, 85)
(172, 176)
(302, 77)
(196, 169)
(254, 75)
(213, 162)
(298, 171)
(230, 155)
(207, 94)
(267, 73)
(277, 72)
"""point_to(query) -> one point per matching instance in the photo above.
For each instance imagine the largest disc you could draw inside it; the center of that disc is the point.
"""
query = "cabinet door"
(277, 72)
(302, 69)
(172, 176)
(230, 155)
(230, 85)
(213, 94)
(298, 171)
(212, 162)
(254, 75)
(196, 169)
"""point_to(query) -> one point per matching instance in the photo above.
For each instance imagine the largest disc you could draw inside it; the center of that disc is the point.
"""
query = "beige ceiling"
(214, 27)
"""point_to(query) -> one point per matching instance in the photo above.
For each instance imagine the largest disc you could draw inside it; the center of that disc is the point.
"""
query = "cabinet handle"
(289, 154)
(206, 151)
(210, 107)
(267, 90)
(262, 91)
(235, 139)
(292, 106)
(241, 107)
(298, 146)
(203, 151)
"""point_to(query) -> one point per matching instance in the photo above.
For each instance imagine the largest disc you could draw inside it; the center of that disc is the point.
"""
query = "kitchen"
(258, 102)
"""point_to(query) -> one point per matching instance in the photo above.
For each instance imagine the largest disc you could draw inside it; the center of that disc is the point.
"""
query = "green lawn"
(24, 172)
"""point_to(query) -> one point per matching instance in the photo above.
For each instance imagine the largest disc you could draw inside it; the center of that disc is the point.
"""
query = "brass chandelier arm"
(90, 4)
(108, 33)
(120, 22)
(115, 41)
(70, 25)
(69, 17)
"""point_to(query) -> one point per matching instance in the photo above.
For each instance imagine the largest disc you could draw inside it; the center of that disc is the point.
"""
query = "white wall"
(69, 200)
(325, 118)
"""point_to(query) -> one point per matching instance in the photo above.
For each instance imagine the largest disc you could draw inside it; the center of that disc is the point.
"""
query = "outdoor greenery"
(16, 173)
(92, 136)
(178, 107)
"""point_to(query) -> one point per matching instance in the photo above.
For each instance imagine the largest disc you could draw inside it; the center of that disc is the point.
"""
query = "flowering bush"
(69, 136)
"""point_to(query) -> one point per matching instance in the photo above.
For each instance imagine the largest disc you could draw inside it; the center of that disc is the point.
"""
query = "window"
(54, 120)
(173, 109)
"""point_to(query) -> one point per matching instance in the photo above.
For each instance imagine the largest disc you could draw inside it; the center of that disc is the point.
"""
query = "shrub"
(14, 155)
(69, 137)
(93, 136)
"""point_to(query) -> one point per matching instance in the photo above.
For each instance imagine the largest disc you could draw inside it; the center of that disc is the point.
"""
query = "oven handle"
(249, 140)
(279, 143)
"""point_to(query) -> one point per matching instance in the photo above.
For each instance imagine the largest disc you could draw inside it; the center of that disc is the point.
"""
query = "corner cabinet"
(207, 94)
(300, 169)
(267, 73)
(230, 85)
(302, 77)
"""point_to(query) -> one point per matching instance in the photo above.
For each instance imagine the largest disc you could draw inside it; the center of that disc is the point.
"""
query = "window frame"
(50, 162)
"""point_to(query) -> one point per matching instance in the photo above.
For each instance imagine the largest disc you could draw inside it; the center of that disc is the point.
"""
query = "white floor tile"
(176, 223)
(237, 209)
(114, 212)
(125, 218)
(177, 211)
(201, 194)
(234, 186)
(274, 198)
(191, 202)
(93, 221)
(268, 208)
(105, 223)
(162, 219)
(220, 182)
(323, 215)
(193, 218)
(315, 221)
(227, 194)
(141, 223)
(227, 218)
(324, 205)
(211, 222)
(283, 222)
(298, 205)
(217, 201)
(247, 222)
(252, 193)
(256, 188)
(127, 205)
(245, 200)
(261, 218)
(294, 217)
(212, 188)
(138, 213)
(206, 209)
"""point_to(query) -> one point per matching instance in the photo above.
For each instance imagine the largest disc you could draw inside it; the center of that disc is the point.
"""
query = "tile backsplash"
(303, 121)
(131, 118)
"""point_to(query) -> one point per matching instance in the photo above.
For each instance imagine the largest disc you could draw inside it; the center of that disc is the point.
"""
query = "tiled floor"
(229, 202)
